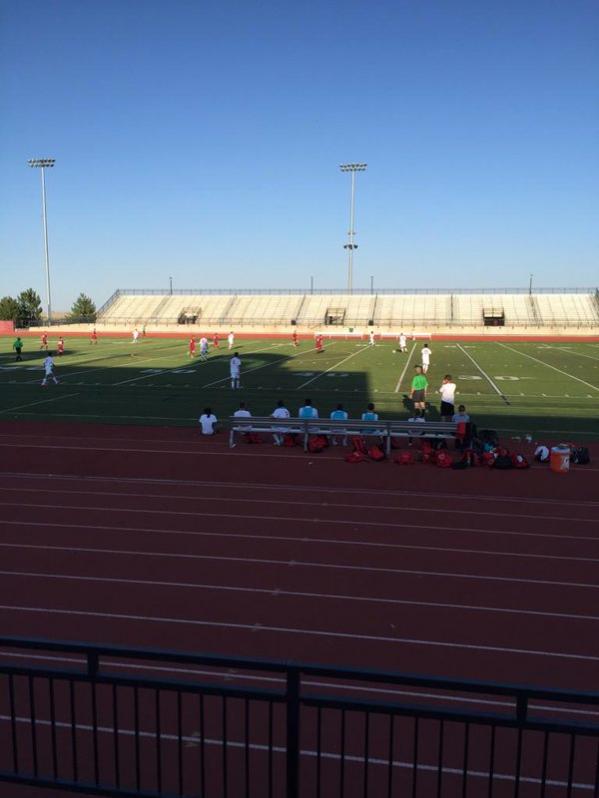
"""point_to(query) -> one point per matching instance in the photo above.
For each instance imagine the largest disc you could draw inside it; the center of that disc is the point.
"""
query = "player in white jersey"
(371, 338)
(203, 348)
(426, 358)
(231, 339)
(49, 371)
(235, 367)
(135, 335)
(403, 342)
(280, 411)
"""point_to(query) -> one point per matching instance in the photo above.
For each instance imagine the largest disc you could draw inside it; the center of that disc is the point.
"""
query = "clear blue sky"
(201, 139)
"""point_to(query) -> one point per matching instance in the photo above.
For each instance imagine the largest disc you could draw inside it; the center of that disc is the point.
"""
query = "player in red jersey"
(192, 346)
(93, 339)
(319, 343)
(294, 338)
(44, 339)
(60, 346)
(215, 341)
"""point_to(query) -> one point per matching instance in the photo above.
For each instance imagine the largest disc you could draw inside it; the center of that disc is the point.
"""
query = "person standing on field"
(447, 390)
(426, 357)
(235, 367)
(418, 391)
(231, 339)
(49, 371)
(18, 346)
(403, 346)
(203, 348)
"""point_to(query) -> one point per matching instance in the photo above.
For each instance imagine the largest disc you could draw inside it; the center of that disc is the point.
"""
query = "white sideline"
(548, 365)
(484, 373)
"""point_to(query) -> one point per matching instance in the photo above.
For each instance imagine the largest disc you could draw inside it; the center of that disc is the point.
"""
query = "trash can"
(560, 459)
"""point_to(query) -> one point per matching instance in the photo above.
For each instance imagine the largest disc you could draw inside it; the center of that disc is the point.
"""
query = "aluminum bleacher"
(386, 310)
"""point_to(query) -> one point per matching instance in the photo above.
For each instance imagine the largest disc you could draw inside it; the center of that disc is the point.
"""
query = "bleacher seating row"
(387, 310)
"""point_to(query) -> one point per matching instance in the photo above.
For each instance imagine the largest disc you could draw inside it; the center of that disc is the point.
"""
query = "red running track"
(158, 538)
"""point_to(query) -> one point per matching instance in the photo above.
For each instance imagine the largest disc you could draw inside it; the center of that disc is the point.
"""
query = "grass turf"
(539, 388)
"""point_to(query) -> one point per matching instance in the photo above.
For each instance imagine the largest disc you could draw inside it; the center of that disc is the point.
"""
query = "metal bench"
(386, 430)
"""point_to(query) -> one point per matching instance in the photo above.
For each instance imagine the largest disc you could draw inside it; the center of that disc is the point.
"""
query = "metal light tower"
(42, 164)
(350, 246)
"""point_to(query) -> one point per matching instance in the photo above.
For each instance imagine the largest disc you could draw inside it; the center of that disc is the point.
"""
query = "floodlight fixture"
(43, 164)
(351, 245)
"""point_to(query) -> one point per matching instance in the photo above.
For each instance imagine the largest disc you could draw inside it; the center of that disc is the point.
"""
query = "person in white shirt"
(235, 367)
(231, 339)
(280, 411)
(339, 414)
(447, 390)
(371, 337)
(243, 412)
(135, 335)
(203, 348)
(403, 347)
(208, 422)
(426, 358)
(49, 371)
(307, 411)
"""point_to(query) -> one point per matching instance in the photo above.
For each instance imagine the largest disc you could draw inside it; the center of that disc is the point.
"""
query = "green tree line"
(27, 307)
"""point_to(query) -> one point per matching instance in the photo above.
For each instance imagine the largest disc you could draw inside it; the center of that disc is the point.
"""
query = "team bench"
(386, 430)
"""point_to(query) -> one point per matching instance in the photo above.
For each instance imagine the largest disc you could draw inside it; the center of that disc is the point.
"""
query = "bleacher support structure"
(386, 311)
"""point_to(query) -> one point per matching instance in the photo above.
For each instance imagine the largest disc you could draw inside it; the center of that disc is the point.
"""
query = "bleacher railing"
(141, 723)
(335, 291)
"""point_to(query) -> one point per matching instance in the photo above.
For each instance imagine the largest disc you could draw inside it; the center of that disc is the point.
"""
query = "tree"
(83, 307)
(30, 305)
(9, 308)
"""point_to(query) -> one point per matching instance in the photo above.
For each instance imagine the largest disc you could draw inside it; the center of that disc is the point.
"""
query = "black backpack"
(579, 455)
(503, 462)
(489, 436)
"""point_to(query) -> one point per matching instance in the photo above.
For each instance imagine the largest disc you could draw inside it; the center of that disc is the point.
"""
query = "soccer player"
(93, 339)
(231, 339)
(339, 414)
(60, 347)
(203, 348)
(371, 338)
(18, 346)
(319, 343)
(215, 340)
(370, 415)
(294, 338)
(44, 343)
(426, 358)
(192, 346)
(49, 370)
(307, 411)
(280, 411)
(403, 347)
(235, 367)
(135, 335)
(418, 391)
(447, 391)
(208, 422)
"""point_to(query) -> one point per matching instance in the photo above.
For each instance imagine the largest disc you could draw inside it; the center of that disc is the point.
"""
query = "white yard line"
(574, 352)
(41, 402)
(261, 628)
(405, 368)
(549, 366)
(484, 373)
(326, 371)
(263, 366)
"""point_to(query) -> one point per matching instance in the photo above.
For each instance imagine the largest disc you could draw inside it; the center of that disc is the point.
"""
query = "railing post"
(293, 736)
(93, 664)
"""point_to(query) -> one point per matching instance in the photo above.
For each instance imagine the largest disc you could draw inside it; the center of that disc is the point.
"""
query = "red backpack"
(376, 453)
(404, 458)
(519, 461)
(359, 444)
(252, 437)
(289, 439)
(355, 457)
(317, 444)
(443, 459)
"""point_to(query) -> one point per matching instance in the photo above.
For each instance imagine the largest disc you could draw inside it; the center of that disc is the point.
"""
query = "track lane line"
(291, 630)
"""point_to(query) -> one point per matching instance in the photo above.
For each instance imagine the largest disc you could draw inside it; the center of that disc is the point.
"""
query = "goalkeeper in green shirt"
(418, 391)
(18, 346)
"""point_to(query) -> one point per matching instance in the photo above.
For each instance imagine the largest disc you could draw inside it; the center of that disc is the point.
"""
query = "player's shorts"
(447, 409)
(234, 375)
(418, 396)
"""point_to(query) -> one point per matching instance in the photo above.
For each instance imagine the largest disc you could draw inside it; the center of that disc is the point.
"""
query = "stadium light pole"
(351, 245)
(43, 164)
(530, 284)
(171, 285)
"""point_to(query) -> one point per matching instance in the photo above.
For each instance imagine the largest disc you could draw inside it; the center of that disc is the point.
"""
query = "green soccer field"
(538, 388)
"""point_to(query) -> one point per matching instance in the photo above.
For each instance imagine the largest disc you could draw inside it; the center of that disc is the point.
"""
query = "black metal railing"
(132, 722)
